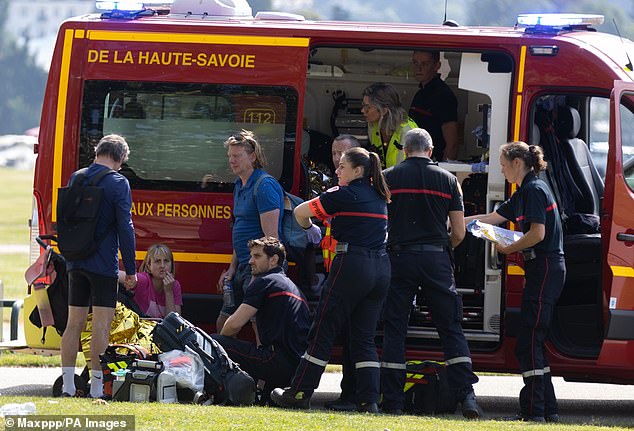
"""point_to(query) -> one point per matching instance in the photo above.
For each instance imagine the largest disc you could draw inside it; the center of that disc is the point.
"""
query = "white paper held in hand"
(493, 233)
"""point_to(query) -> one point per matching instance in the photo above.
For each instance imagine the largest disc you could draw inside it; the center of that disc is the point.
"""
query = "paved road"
(581, 403)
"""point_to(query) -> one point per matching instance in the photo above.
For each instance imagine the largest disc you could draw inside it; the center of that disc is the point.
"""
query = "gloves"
(314, 234)
(479, 167)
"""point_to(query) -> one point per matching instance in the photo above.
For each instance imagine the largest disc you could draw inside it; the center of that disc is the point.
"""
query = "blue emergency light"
(131, 6)
(558, 20)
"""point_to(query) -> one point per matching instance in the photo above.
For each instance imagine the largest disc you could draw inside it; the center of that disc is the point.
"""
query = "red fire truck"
(177, 79)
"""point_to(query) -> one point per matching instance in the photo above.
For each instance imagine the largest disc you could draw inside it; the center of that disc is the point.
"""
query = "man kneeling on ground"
(282, 318)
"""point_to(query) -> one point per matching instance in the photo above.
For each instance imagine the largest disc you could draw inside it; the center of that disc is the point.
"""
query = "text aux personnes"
(164, 209)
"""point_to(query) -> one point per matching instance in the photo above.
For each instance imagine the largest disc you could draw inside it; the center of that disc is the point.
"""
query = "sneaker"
(553, 418)
(523, 418)
(290, 399)
(368, 408)
(340, 405)
(470, 408)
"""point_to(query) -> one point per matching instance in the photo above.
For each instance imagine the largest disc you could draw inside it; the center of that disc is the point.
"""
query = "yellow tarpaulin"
(126, 328)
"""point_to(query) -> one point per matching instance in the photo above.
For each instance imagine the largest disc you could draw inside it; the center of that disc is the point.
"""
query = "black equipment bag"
(224, 380)
(117, 357)
(469, 254)
(141, 382)
(77, 215)
(427, 389)
(468, 260)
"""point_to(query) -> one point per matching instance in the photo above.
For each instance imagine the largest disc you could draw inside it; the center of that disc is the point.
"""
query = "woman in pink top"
(157, 292)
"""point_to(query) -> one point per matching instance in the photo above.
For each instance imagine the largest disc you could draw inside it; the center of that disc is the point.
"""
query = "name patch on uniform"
(332, 189)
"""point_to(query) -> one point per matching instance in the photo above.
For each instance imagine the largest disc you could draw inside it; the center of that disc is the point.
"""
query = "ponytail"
(377, 179)
(531, 155)
(537, 158)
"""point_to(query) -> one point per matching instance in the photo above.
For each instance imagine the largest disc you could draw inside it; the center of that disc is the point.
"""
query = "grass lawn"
(184, 417)
(18, 359)
(16, 195)
(12, 267)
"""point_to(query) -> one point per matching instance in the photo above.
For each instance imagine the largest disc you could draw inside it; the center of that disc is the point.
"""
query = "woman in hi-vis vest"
(387, 121)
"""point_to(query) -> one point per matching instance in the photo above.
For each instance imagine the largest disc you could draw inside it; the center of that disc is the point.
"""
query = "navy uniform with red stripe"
(354, 290)
(283, 321)
(545, 271)
(423, 194)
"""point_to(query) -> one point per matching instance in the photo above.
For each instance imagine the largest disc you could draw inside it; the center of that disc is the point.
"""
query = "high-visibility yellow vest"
(394, 152)
(328, 244)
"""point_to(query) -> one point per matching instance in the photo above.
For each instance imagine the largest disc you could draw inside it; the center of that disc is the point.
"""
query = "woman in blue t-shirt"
(256, 213)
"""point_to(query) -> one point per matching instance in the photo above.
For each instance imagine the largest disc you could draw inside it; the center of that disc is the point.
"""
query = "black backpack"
(224, 380)
(77, 215)
(294, 237)
(427, 389)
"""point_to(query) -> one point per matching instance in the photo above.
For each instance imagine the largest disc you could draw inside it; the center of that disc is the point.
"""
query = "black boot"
(368, 408)
(553, 417)
(290, 399)
(340, 405)
(470, 408)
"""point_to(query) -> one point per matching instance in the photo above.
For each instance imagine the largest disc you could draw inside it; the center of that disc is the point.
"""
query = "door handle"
(627, 237)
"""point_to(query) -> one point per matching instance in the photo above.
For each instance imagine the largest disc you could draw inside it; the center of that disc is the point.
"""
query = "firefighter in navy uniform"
(346, 401)
(534, 210)
(357, 283)
(282, 318)
(423, 196)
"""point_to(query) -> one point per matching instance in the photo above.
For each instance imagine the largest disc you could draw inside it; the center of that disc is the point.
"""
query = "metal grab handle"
(625, 237)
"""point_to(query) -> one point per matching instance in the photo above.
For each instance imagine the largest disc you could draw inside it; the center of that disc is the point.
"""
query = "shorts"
(241, 281)
(86, 288)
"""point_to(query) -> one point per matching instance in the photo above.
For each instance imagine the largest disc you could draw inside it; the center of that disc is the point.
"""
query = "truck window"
(627, 145)
(176, 132)
(598, 130)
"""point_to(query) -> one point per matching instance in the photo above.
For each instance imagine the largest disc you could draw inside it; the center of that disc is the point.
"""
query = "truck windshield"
(176, 132)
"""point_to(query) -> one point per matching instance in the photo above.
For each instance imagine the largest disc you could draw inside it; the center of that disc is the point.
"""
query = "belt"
(344, 247)
(417, 247)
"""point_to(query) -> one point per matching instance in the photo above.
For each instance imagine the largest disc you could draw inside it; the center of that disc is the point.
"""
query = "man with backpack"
(258, 209)
(93, 270)
(283, 319)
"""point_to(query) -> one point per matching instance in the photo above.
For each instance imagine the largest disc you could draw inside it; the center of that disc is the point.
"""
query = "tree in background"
(340, 14)
(22, 83)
